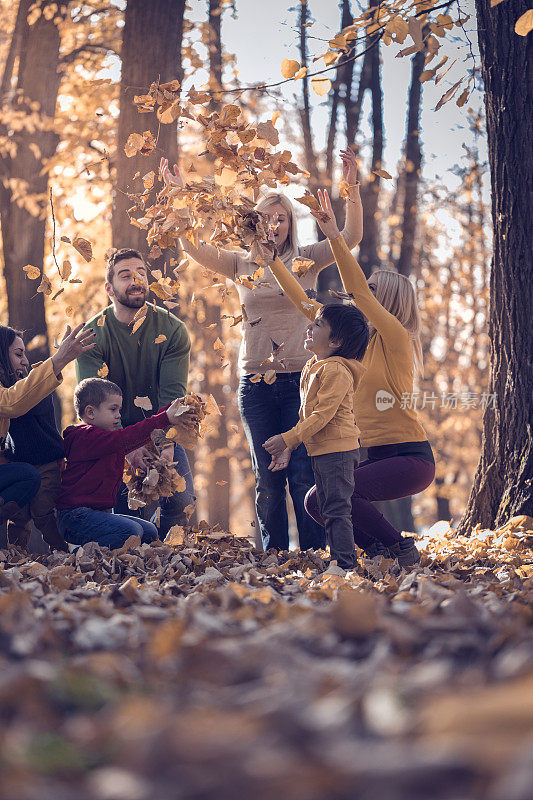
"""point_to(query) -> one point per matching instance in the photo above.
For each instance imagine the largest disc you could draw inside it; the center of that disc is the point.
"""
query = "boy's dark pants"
(41, 509)
(334, 476)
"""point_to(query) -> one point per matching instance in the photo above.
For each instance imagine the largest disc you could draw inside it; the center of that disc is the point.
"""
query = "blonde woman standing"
(272, 327)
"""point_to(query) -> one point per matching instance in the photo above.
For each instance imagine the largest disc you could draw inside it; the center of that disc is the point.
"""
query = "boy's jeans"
(82, 525)
(265, 411)
(334, 476)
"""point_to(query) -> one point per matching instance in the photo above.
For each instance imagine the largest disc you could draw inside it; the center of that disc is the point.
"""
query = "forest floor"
(208, 669)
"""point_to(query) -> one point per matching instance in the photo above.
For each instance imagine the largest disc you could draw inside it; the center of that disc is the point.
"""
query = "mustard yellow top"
(326, 418)
(16, 400)
(388, 360)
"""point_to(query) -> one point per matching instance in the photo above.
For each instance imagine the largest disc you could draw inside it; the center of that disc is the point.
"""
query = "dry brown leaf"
(32, 272)
(84, 248)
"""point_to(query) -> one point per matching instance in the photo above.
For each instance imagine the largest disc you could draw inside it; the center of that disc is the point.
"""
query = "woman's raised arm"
(353, 278)
(352, 233)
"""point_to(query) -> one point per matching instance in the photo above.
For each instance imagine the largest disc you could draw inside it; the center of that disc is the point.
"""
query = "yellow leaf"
(289, 68)
(321, 86)
(143, 402)
(170, 113)
(133, 145)
(32, 272)
(45, 286)
(226, 178)
(101, 321)
(525, 23)
(159, 339)
(256, 378)
(83, 247)
(300, 266)
(382, 173)
(269, 376)
(103, 372)
(218, 345)
(221, 483)
(137, 324)
(148, 179)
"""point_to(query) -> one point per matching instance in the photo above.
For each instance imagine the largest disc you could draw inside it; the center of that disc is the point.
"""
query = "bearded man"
(151, 361)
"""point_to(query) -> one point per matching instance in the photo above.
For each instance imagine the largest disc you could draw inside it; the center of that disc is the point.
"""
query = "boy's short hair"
(120, 255)
(93, 392)
(349, 327)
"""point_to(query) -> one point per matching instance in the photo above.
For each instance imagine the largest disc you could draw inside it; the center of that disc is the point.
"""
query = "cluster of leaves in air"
(206, 662)
(244, 162)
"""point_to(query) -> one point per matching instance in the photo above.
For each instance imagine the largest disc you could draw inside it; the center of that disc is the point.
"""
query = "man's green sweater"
(136, 363)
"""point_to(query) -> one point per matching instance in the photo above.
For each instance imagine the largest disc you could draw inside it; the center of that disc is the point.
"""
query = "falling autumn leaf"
(84, 248)
(289, 68)
(301, 266)
(382, 173)
(266, 130)
(103, 372)
(133, 144)
(160, 339)
(321, 86)
(32, 272)
(143, 402)
(524, 24)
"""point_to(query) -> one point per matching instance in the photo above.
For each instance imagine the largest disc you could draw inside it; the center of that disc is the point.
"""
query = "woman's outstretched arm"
(293, 290)
(353, 277)
(321, 252)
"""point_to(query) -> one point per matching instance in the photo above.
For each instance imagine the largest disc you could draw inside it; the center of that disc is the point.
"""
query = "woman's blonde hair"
(395, 292)
(290, 247)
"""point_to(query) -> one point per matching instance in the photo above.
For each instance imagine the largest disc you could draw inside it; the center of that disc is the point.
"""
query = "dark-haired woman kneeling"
(31, 448)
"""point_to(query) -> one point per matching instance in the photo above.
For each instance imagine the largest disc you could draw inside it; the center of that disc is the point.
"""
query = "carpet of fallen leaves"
(214, 670)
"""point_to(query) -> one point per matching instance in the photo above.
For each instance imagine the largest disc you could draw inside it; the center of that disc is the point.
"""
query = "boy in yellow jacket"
(338, 337)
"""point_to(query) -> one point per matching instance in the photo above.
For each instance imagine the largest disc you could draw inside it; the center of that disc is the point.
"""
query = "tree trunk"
(310, 158)
(368, 251)
(218, 500)
(503, 482)
(23, 226)
(412, 167)
(151, 51)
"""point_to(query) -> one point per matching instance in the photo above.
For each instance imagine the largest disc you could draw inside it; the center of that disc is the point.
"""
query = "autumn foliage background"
(79, 148)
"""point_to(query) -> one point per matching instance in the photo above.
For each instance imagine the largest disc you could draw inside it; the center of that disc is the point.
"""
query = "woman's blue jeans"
(82, 525)
(267, 410)
(19, 483)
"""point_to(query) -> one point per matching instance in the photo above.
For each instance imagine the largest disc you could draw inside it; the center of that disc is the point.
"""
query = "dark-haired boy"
(95, 453)
(152, 361)
(338, 338)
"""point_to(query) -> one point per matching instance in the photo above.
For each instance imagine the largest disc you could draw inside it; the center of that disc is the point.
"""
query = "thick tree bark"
(503, 482)
(412, 167)
(151, 51)
(218, 500)
(23, 228)
(310, 158)
(368, 251)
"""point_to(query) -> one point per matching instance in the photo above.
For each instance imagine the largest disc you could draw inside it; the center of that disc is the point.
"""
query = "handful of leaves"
(202, 407)
(160, 479)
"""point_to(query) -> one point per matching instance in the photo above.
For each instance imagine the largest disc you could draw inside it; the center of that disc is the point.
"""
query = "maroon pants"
(379, 479)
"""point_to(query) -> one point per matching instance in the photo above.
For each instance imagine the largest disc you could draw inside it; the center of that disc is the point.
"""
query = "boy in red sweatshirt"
(95, 453)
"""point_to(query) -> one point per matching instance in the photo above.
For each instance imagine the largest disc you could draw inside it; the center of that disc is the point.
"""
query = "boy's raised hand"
(325, 217)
